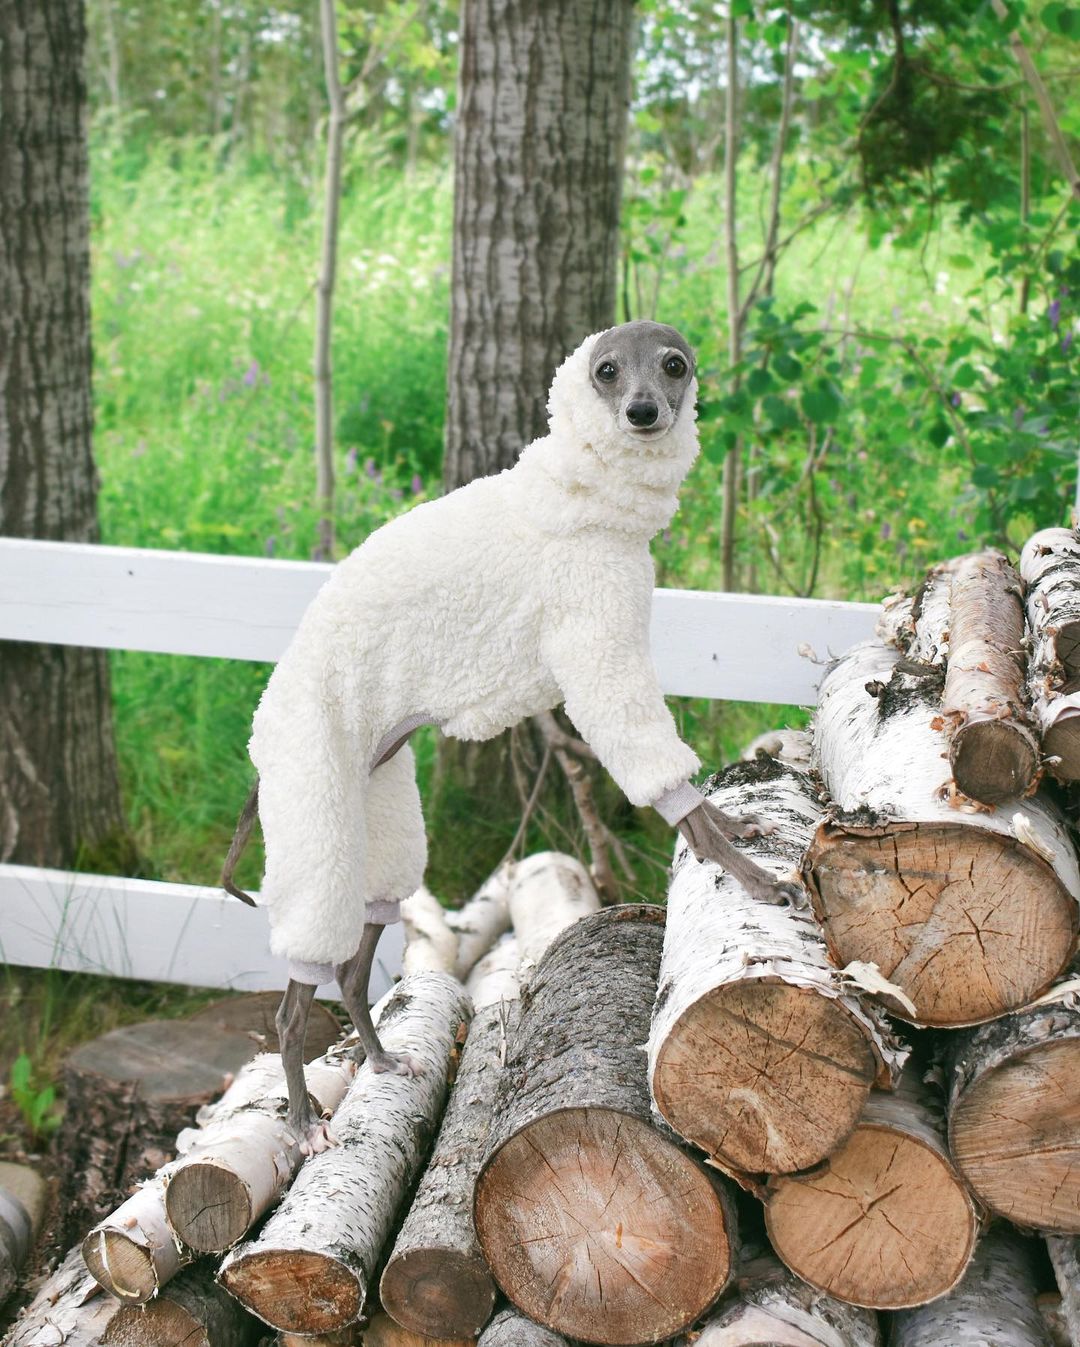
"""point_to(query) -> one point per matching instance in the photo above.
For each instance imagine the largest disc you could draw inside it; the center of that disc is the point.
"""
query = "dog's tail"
(236, 847)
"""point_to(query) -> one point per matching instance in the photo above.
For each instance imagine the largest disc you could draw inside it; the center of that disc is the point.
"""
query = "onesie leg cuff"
(313, 974)
(674, 805)
(384, 911)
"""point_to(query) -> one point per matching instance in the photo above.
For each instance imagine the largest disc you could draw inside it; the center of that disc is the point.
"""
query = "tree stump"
(776, 1308)
(253, 1014)
(970, 912)
(887, 1221)
(1050, 569)
(757, 1054)
(1014, 1115)
(593, 1222)
(511, 1329)
(22, 1202)
(70, 1309)
(436, 1282)
(128, 1094)
(309, 1269)
(994, 1304)
(190, 1312)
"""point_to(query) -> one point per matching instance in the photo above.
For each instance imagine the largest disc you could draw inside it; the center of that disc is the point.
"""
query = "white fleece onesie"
(500, 600)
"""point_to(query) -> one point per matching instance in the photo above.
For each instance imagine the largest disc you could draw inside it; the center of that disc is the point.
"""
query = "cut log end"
(1062, 741)
(1015, 1133)
(887, 1224)
(123, 1266)
(209, 1206)
(767, 1077)
(993, 760)
(293, 1290)
(439, 1293)
(969, 924)
(161, 1321)
(596, 1225)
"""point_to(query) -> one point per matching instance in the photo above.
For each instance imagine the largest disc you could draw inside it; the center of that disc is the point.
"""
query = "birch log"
(190, 1312)
(22, 1204)
(757, 1054)
(549, 892)
(70, 1309)
(1065, 1257)
(495, 976)
(1014, 1114)
(133, 1253)
(483, 919)
(386, 1332)
(436, 1281)
(430, 945)
(994, 1305)
(970, 912)
(234, 1168)
(593, 1222)
(509, 1328)
(309, 1269)
(776, 1308)
(1050, 569)
(887, 1221)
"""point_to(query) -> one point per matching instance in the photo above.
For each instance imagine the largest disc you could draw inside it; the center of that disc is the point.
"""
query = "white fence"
(729, 646)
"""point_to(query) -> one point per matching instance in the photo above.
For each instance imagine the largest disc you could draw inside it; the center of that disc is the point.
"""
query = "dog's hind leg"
(353, 977)
(291, 1021)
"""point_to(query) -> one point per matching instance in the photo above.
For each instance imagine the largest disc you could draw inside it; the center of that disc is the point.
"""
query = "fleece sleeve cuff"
(674, 805)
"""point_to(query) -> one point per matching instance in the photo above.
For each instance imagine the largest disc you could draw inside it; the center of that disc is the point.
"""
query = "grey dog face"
(642, 371)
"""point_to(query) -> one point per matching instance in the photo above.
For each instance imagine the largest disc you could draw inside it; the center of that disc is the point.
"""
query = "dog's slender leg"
(353, 979)
(291, 1021)
(705, 836)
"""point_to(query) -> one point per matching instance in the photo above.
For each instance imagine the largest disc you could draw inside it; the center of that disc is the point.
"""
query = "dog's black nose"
(642, 413)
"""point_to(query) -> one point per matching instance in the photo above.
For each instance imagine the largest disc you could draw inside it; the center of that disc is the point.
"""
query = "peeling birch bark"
(994, 1304)
(133, 1252)
(791, 747)
(1050, 570)
(593, 1222)
(509, 1328)
(70, 1309)
(190, 1312)
(309, 1269)
(1065, 1257)
(436, 1281)
(549, 892)
(758, 1053)
(1014, 1114)
(242, 1157)
(430, 944)
(887, 1221)
(776, 1308)
(495, 976)
(386, 1332)
(483, 919)
(970, 912)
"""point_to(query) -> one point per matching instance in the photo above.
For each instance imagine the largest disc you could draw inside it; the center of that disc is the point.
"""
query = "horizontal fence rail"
(734, 647)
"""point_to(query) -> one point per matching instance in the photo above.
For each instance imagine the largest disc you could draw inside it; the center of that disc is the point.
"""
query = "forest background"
(872, 245)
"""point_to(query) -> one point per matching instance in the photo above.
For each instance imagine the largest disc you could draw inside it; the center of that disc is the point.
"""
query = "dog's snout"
(642, 413)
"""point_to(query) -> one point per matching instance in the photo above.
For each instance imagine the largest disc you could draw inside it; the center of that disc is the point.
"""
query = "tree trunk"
(70, 1309)
(59, 796)
(190, 1312)
(22, 1203)
(511, 1329)
(887, 1221)
(1050, 570)
(436, 1282)
(776, 1308)
(1065, 1257)
(1014, 1115)
(309, 1269)
(970, 912)
(733, 457)
(995, 1303)
(235, 1167)
(757, 1054)
(324, 289)
(593, 1222)
(483, 919)
(430, 945)
(495, 977)
(549, 892)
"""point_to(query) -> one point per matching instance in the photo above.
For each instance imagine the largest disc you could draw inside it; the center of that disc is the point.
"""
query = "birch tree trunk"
(59, 796)
(757, 1052)
(190, 1312)
(483, 919)
(133, 1252)
(511, 1329)
(70, 1309)
(995, 1303)
(593, 1222)
(324, 290)
(495, 977)
(970, 912)
(309, 1269)
(1065, 1257)
(1050, 570)
(887, 1221)
(430, 945)
(436, 1282)
(549, 892)
(1014, 1114)
(733, 457)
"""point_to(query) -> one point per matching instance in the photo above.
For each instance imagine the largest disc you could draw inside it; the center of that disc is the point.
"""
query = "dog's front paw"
(747, 826)
(397, 1063)
(316, 1138)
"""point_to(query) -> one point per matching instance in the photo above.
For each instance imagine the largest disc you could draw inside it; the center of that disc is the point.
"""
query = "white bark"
(22, 1203)
(495, 977)
(133, 1252)
(791, 747)
(510, 1328)
(1065, 1257)
(342, 1206)
(918, 625)
(548, 893)
(70, 1310)
(430, 945)
(718, 936)
(483, 919)
(1050, 569)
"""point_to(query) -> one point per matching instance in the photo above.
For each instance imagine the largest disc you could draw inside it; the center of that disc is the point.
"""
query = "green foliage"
(36, 1103)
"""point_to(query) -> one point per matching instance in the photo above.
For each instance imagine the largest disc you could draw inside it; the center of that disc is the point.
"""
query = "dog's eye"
(675, 365)
(606, 372)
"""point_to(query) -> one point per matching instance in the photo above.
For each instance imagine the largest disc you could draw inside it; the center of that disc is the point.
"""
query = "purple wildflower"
(271, 545)
(886, 531)
(1067, 341)
(1054, 314)
(350, 460)
(956, 400)
(372, 471)
(417, 484)
(667, 535)
(251, 375)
